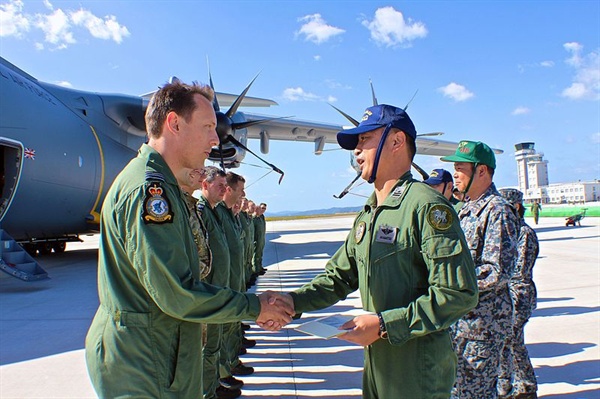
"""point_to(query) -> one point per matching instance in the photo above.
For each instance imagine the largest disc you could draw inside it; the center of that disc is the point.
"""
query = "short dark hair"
(212, 172)
(233, 179)
(177, 97)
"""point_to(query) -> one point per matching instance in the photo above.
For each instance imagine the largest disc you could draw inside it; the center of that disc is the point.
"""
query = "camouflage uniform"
(201, 239)
(516, 371)
(200, 235)
(491, 229)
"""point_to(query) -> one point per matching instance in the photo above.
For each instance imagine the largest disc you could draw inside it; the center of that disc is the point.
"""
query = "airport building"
(534, 183)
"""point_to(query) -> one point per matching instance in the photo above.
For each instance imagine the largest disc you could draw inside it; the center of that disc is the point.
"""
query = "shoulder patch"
(157, 208)
(360, 232)
(440, 217)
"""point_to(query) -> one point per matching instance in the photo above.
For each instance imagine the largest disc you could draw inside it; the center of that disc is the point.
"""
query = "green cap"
(473, 152)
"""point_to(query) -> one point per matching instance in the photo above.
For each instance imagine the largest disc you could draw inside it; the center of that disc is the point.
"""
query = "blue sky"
(499, 72)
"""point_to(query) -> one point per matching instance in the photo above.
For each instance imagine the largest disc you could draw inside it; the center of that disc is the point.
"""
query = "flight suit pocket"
(441, 246)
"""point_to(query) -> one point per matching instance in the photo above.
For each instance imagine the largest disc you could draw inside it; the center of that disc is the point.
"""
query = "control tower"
(531, 167)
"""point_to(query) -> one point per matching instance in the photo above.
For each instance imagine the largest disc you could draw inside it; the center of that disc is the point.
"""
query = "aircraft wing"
(289, 129)
(225, 100)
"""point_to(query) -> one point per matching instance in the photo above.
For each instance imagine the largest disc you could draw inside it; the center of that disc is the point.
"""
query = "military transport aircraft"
(60, 150)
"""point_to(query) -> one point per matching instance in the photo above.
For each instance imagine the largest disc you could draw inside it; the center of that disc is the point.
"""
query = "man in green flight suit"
(407, 255)
(146, 337)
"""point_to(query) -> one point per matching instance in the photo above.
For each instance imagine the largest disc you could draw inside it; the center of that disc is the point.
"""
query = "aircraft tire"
(44, 248)
(59, 247)
(30, 249)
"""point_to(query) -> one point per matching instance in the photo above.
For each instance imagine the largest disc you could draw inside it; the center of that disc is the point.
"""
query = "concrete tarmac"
(43, 324)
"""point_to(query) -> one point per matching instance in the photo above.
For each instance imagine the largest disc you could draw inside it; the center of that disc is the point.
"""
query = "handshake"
(276, 310)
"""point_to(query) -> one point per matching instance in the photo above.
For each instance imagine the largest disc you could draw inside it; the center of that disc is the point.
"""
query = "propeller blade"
(373, 93)
(241, 125)
(421, 171)
(212, 86)
(351, 119)
(275, 168)
(233, 109)
(347, 189)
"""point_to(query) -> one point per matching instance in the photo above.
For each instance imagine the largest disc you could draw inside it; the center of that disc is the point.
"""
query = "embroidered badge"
(386, 234)
(440, 217)
(360, 232)
(156, 206)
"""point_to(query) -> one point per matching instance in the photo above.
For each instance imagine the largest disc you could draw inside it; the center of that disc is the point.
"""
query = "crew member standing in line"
(491, 229)
(517, 377)
(260, 231)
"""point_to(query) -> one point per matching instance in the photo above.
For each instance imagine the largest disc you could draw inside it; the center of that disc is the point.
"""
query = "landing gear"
(59, 247)
(44, 248)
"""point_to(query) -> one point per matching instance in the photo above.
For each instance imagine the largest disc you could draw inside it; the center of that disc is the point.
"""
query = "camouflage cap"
(473, 152)
(512, 195)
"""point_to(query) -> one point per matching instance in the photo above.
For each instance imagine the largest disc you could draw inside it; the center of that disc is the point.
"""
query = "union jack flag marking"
(29, 153)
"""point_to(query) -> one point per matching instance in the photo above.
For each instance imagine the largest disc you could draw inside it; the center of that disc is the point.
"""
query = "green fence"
(565, 211)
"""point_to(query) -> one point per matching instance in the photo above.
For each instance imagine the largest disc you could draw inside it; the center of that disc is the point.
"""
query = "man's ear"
(172, 122)
(398, 139)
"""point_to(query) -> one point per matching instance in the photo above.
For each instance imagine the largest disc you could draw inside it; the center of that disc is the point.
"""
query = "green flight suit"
(248, 226)
(410, 260)
(220, 275)
(260, 230)
(232, 332)
(145, 339)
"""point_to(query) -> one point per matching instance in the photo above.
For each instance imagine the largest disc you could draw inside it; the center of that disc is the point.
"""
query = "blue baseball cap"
(375, 117)
(438, 176)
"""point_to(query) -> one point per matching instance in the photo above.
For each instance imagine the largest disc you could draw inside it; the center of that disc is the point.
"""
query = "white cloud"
(595, 138)
(12, 21)
(520, 111)
(331, 99)
(586, 82)
(107, 29)
(317, 58)
(389, 28)
(298, 94)
(64, 83)
(456, 92)
(56, 28)
(316, 29)
(57, 25)
(547, 64)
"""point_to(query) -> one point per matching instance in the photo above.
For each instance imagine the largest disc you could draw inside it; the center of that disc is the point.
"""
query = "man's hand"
(276, 310)
(363, 329)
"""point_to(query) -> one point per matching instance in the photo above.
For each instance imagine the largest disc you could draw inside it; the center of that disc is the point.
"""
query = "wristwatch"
(383, 334)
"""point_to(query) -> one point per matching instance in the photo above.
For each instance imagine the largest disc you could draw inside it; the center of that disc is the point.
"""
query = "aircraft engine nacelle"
(230, 155)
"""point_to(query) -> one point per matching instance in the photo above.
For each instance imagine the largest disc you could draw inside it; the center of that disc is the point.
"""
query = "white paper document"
(325, 327)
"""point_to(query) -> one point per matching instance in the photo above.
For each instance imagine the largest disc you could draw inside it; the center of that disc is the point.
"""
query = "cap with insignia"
(473, 152)
(438, 176)
(375, 117)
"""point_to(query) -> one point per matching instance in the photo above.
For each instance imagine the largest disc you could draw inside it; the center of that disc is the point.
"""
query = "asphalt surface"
(43, 324)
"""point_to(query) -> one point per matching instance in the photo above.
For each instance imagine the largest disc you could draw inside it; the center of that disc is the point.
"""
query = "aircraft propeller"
(226, 127)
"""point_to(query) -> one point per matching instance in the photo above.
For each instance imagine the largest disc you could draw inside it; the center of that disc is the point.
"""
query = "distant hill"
(330, 211)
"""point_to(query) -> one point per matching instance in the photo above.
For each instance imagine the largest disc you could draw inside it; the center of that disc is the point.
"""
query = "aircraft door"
(11, 163)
